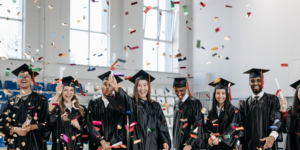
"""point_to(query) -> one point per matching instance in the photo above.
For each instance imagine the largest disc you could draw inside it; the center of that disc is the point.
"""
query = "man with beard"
(112, 129)
(260, 115)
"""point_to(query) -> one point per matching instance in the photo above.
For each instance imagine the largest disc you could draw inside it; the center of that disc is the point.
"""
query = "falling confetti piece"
(198, 43)
(126, 13)
(226, 136)
(203, 110)
(64, 24)
(134, 3)
(132, 31)
(226, 38)
(202, 4)
(150, 130)
(284, 65)
(227, 58)
(228, 6)
(184, 126)
(214, 48)
(215, 125)
(136, 47)
(137, 141)
(119, 74)
(66, 138)
(91, 69)
(62, 55)
(183, 120)
(213, 55)
(248, 5)
(216, 134)
(239, 128)
(216, 18)
(248, 14)
(193, 136)
(99, 123)
(189, 28)
(217, 29)
(147, 9)
(7, 71)
(273, 127)
(50, 7)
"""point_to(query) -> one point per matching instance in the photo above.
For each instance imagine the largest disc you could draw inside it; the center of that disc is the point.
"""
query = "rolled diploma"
(61, 70)
(113, 58)
(279, 88)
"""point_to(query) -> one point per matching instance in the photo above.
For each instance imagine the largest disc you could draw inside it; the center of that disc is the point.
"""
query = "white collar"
(186, 96)
(70, 108)
(218, 110)
(105, 101)
(260, 95)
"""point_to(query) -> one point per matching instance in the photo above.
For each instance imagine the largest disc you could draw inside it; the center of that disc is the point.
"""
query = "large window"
(158, 27)
(11, 29)
(88, 32)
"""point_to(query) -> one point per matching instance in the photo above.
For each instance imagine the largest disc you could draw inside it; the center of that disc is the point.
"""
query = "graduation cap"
(105, 76)
(142, 75)
(70, 81)
(180, 82)
(25, 68)
(221, 83)
(296, 85)
(254, 73)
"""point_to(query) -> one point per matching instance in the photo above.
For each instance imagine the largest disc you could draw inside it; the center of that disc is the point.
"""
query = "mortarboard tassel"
(187, 83)
(81, 90)
(33, 79)
(229, 88)
(262, 79)
(149, 84)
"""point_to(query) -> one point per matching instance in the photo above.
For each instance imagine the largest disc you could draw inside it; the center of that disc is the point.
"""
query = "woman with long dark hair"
(67, 117)
(147, 124)
(223, 118)
(291, 120)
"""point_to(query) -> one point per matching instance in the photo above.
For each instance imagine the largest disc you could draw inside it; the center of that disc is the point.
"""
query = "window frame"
(89, 32)
(23, 31)
(157, 40)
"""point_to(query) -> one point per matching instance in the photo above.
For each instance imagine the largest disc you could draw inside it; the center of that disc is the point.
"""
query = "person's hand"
(105, 145)
(165, 146)
(187, 147)
(216, 141)
(210, 143)
(75, 123)
(59, 88)
(283, 104)
(113, 83)
(19, 131)
(27, 129)
(269, 142)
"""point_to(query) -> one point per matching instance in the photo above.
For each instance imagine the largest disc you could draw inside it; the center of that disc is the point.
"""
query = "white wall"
(265, 40)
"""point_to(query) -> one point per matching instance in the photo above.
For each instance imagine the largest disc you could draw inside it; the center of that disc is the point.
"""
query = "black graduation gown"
(149, 117)
(257, 120)
(110, 118)
(59, 127)
(224, 129)
(292, 141)
(190, 109)
(15, 114)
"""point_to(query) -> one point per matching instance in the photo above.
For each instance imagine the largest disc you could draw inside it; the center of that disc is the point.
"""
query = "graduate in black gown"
(291, 120)
(147, 124)
(112, 128)
(223, 118)
(24, 118)
(259, 112)
(188, 125)
(67, 120)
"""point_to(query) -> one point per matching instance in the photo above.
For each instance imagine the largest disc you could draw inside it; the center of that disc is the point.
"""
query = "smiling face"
(180, 92)
(142, 89)
(255, 84)
(299, 93)
(220, 95)
(24, 80)
(106, 88)
(68, 93)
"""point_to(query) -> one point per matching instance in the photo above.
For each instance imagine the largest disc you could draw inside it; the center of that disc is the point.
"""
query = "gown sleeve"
(83, 126)
(94, 135)
(199, 123)
(286, 125)
(163, 132)
(43, 115)
(242, 111)
(230, 131)
(3, 123)
(275, 114)
(121, 102)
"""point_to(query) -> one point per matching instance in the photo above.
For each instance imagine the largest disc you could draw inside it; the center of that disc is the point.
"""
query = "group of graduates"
(119, 121)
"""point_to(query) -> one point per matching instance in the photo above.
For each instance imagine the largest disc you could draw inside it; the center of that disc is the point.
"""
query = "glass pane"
(79, 18)
(152, 3)
(165, 62)
(166, 26)
(165, 4)
(98, 49)
(99, 16)
(79, 47)
(151, 24)
(11, 8)
(11, 38)
(149, 55)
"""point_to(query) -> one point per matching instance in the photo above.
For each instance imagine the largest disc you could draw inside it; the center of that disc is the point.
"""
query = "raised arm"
(58, 89)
